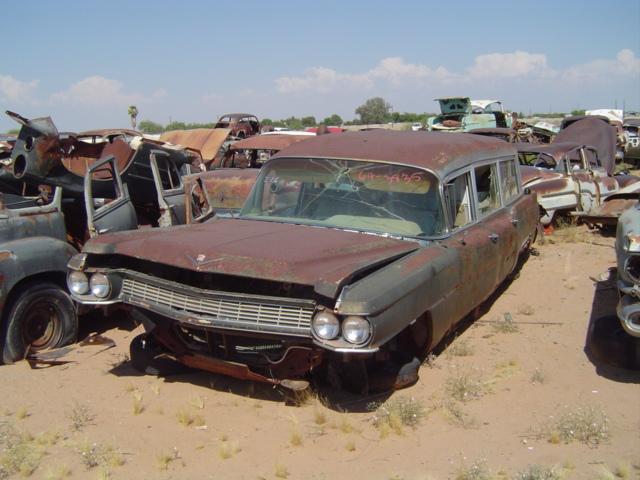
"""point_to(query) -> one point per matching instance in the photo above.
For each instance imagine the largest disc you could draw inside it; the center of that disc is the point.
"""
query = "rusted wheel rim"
(42, 326)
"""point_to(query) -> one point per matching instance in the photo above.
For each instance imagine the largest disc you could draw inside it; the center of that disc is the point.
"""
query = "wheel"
(41, 316)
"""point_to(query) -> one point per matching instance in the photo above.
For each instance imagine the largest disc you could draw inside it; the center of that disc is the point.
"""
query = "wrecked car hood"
(531, 174)
(320, 257)
(454, 105)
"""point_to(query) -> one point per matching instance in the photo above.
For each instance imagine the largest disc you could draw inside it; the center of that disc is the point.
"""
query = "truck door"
(112, 214)
(170, 189)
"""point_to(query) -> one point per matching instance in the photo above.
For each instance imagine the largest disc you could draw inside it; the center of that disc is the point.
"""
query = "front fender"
(396, 295)
(26, 257)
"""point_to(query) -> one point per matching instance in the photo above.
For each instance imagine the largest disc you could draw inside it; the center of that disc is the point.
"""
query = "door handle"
(515, 222)
(493, 237)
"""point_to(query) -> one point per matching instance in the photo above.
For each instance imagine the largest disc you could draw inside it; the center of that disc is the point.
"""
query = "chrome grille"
(215, 310)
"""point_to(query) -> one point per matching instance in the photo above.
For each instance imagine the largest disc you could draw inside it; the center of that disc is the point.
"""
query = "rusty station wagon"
(353, 255)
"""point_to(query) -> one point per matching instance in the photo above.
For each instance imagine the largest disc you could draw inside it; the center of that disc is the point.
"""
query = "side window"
(487, 188)
(458, 193)
(575, 159)
(169, 175)
(592, 158)
(508, 180)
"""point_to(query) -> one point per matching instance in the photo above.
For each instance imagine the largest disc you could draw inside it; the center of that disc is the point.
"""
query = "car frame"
(362, 289)
(570, 179)
(242, 125)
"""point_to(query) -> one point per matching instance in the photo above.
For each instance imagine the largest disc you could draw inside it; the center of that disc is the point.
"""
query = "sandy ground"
(99, 418)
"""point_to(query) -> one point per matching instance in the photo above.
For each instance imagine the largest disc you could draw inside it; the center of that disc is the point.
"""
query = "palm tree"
(133, 114)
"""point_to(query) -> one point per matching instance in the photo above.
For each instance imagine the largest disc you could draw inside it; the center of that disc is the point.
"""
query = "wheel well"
(59, 278)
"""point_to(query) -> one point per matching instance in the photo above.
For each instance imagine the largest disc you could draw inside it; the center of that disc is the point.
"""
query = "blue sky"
(82, 63)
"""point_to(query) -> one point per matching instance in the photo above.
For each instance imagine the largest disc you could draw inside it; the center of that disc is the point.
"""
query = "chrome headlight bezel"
(356, 330)
(100, 285)
(77, 282)
(325, 325)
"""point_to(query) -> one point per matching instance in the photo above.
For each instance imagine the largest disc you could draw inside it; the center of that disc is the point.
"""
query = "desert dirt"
(99, 418)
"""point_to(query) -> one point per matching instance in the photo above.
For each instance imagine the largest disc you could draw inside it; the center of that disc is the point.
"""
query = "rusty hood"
(531, 174)
(323, 258)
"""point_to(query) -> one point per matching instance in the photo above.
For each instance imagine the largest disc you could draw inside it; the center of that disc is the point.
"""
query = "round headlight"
(356, 330)
(78, 282)
(326, 325)
(100, 285)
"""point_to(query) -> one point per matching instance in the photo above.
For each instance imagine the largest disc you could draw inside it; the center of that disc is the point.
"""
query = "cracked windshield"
(349, 194)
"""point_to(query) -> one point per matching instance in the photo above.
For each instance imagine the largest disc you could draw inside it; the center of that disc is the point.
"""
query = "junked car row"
(285, 257)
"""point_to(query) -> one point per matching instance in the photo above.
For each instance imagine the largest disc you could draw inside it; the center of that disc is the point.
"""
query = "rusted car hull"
(41, 155)
(248, 296)
(628, 263)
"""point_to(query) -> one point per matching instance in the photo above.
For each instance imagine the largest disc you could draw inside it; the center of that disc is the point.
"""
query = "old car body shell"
(43, 155)
(32, 241)
(460, 114)
(216, 192)
(628, 261)
(587, 191)
(242, 125)
(390, 280)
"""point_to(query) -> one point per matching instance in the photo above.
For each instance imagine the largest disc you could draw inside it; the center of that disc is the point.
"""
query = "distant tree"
(13, 131)
(374, 110)
(175, 126)
(293, 123)
(308, 121)
(578, 112)
(193, 126)
(147, 126)
(267, 121)
(335, 120)
(132, 111)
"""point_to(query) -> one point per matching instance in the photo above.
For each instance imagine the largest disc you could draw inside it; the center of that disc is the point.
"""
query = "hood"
(454, 105)
(531, 174)
(628, 182)
(320, 257)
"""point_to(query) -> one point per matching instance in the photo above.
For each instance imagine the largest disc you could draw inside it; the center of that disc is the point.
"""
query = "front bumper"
(628, 311)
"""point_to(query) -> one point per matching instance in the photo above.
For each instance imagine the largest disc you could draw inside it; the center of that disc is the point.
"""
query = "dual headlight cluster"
(356, 330)
(98, 284)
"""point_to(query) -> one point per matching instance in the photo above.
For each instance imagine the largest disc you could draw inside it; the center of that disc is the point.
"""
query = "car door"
(606, 184)
(474, 242)
(588, 189)
(170, 189)
(112, 214)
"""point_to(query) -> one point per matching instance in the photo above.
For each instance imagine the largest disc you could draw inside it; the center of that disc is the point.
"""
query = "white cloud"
(14, 90)
(395, 71)
(625, 64)
(323, 80)
(509, 65)
(100, 91)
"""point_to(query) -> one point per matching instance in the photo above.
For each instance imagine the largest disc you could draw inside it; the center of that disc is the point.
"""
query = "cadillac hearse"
(353, 256)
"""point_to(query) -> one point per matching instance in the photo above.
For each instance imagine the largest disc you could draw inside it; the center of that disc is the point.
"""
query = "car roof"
(236, 115)
(557, 149)
(439, 152)
(268, 142)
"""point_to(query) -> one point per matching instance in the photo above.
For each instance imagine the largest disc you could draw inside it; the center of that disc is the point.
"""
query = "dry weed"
(396, 413)
(281, 471)
(589, 425)
(460, 348)
(80, 416)
(478, 470)
(506, 325)
(540, 472)
(466, 384)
